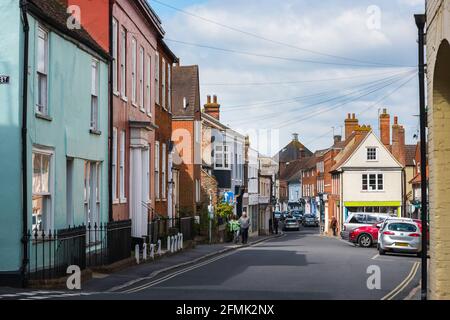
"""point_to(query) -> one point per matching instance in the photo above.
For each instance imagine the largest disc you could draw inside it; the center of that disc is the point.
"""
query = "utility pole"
(420, 22)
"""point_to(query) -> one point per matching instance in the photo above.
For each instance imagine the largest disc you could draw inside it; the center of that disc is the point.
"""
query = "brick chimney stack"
(212, 108)
(337, 138)
(351, 123)
(398, 142)
(385, 128)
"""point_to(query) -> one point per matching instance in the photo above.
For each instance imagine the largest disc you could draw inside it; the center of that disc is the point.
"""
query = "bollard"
(168, 244)
(144, 252)
(182, 241)
(137, 253)
(171, 244)
(179, 242)
(159, 247)
(176, 243)
(152, 251)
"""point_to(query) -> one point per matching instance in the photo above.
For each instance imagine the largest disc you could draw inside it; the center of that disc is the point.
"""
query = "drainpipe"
(26, 30)
(111, 122)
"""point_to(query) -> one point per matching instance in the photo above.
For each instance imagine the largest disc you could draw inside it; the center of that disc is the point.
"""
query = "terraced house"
(54, 124)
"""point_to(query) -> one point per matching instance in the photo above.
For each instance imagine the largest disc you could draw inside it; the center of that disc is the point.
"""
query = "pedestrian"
(245, 225)
(234, 228)
(275, 225)
(333, 225)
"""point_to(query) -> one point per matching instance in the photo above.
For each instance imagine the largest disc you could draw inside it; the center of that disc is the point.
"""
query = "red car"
(365, 236)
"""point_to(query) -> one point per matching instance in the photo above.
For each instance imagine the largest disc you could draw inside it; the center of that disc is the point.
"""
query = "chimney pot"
(208, 99)
(353, 116)
(215, 99)
(395, 120)
(349, 116)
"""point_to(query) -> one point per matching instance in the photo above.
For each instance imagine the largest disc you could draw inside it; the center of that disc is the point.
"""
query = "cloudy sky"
(280, 67)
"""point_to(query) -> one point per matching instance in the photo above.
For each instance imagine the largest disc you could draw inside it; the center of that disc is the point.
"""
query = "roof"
(168, 51)
(410, 154)
(351, 144)
(55, 15)
(293, 170)
(418, 178)
(292, 151)
(185, 84)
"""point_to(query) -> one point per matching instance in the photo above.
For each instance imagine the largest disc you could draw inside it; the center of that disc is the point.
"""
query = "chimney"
(385, 130)
(398, 142)
(295, 136)
(212, 108)
(351, 123)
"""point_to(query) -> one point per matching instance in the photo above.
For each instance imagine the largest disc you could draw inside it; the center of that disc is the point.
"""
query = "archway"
(439, 163)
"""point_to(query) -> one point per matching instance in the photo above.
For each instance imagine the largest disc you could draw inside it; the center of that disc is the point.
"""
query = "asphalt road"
(298, 265)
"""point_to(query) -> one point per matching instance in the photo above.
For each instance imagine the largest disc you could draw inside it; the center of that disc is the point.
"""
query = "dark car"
(297, 215)
(310, 221)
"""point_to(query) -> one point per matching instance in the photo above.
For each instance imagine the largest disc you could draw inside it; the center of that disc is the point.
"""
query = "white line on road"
(375, 256)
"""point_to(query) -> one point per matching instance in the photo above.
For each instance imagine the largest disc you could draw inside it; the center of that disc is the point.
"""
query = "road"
(298, 265)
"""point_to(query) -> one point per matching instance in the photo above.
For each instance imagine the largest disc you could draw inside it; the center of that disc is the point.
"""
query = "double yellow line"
(391, 295)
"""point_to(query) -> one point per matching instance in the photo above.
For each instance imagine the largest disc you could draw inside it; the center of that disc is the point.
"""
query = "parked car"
(291, 224)
(365, 236)
(310, 221)
(356, 220)
(284, 215)
(400, 235)
(297, 215)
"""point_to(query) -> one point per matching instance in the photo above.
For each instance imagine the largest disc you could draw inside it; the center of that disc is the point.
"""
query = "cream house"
(368, 176)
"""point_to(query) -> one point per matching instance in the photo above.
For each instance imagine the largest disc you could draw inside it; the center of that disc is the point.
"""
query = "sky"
(299, 66)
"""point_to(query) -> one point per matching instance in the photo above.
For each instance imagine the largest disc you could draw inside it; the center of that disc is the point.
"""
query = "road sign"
(228, 197)
(4, 79)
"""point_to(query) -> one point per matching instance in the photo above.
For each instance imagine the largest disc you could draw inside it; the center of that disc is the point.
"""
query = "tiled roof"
(293, 170)
(293, 151)
(351, 144)
(410, 154)
(185, 84)
(55, 14)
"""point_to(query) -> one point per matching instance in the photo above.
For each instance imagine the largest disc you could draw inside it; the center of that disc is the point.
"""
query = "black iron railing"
(160, 228)
(52, 252)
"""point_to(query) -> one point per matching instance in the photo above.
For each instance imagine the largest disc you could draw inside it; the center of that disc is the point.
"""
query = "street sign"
(228, 197)
(4, 79)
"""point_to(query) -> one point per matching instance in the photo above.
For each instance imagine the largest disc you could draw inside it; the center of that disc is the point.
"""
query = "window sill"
(116, 201)
(116, 93)
(124, 98)
(123, 201)
(43, 116)
(95, 132)
(142, 110)
(149, 114)
(134, 104)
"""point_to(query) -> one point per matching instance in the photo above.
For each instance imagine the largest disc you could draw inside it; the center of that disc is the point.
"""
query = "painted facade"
(67, 128)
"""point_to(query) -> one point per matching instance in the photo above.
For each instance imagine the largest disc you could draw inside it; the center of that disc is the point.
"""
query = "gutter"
(26, 30)
(111, 115)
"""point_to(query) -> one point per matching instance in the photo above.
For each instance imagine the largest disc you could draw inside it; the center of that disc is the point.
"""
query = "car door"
(357, 220)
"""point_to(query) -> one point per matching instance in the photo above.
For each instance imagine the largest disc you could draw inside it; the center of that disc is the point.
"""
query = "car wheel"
(365, 240)
(381, 251)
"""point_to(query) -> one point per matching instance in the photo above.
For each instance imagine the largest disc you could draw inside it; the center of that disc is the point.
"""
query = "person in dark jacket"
(333, 225)
(245, 225)
(275, 225)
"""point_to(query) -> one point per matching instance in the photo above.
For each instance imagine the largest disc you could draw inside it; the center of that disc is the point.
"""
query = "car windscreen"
(402, 227)
(291, 221)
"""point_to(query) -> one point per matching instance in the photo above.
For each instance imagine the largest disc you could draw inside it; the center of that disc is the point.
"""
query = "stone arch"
(439, 163)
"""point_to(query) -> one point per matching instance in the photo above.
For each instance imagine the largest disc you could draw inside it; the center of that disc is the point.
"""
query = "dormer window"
(372, 154)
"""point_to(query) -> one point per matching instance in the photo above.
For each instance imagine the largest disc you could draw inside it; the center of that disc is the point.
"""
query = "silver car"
(400, 235)
(361, 219)
(291, 224)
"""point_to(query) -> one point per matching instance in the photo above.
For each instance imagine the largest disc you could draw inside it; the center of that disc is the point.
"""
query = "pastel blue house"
(66, 129)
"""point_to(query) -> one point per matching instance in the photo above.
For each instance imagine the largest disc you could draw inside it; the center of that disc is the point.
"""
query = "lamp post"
(420, 22)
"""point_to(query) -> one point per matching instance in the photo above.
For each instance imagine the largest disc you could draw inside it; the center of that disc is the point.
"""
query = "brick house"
(186, 134)
(163, 159)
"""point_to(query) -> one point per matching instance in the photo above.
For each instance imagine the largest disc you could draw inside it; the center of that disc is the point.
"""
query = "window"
(157, 193)
(163, 171)
(371, 154)
(141, 79)
(149, 84)
(94, 96)
(42, 192)
(185, 103)
(115, 53)
(123, 63)
(42, 72)
(372, 182)
(147, 175)
(133, 71)
(122, 167)
(163, 83)
(226, 159)
(92, 203)
(169, 88)
(157, 78)
(114, 166)
(358, 218)
(218, 162)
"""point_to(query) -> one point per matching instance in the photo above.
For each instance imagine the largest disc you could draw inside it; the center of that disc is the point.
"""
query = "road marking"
(391, 295)
(375, 256)
(177, 273)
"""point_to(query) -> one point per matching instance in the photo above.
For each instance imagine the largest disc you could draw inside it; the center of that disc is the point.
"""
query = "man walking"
(275, 225)
(245, 225)
(333, 225)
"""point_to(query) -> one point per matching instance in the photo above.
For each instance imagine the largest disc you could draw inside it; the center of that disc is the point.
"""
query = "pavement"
(294, 266)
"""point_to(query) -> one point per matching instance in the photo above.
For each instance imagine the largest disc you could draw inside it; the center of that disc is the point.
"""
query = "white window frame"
(122, 160)
(157, 165)
(48, 215)
(147, 175)
(92, 193)
(141, 78)
(163, 84)
(42, 73)
(157, 80)
(169, 88)
(115, 51)
(133, 71)
(164, 172)
(114, 166)
(95, 78)
(369, 153)
(123, 63)
(366, 176)
(149, 85)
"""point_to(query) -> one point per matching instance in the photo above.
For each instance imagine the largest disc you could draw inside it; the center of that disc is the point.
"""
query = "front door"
(139, 201)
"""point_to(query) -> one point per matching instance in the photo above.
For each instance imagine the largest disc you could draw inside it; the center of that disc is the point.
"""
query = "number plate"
(401, 244)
